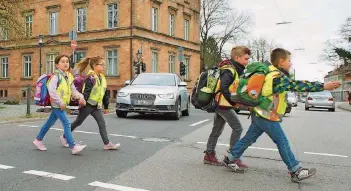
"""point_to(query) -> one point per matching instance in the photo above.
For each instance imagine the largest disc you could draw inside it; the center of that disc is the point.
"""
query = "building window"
(50, 63)
(112, 64)
(154, 61)
(79, 55)
(81, 19)
(154, 19)
(27, 66)
(187, 68)
(112, 15)
(4, 67)
(53, 17)
(171, 61)
(4, 33)
(29, 25)
(186, 29)
(171, 25)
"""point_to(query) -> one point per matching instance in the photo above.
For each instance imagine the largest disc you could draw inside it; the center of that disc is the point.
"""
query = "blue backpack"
(41, 95)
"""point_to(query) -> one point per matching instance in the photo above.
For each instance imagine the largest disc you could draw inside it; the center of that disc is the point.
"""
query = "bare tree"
(261, 48)
(11, 22)
(345, 30)
(220, 22)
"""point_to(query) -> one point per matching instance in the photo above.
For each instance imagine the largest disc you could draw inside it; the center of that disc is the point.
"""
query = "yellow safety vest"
(64, 87)
(274, 106)
(98, 92)
(221, 100)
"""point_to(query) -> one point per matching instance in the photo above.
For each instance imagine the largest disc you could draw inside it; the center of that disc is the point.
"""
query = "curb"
(40, 119)
(345, 106)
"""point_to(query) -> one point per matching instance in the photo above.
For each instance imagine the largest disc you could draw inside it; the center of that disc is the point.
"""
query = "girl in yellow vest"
(266, 118)
(61, 88)
(94, 92)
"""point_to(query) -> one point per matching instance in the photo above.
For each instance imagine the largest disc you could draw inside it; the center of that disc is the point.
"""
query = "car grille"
(143, 96)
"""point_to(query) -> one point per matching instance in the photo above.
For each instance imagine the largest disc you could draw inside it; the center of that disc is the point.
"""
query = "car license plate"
(141, 102)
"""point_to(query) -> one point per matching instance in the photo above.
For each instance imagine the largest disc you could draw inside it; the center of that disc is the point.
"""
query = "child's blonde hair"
(278, 54)
(91, 61)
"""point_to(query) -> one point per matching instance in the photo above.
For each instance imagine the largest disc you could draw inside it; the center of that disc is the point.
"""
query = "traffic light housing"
(137, 69)
(182, 69)
(143, 67)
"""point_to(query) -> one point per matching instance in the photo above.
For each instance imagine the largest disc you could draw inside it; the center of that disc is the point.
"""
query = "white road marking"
(49, 175)
(86, 132)
(326, 154)
(271, 149)
(258, 148)
(28, 126)
(198, 123)
(114, 186)
(5, 167)
(128, 136)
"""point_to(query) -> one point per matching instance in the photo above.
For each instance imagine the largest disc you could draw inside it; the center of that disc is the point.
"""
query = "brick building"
(104, 28)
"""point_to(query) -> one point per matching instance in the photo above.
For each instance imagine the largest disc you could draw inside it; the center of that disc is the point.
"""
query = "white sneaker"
(111, 146)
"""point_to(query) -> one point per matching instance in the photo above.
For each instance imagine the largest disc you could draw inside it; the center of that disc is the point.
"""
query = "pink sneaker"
(111, 146)
(40, 145)
(64, 141)
(77, 149)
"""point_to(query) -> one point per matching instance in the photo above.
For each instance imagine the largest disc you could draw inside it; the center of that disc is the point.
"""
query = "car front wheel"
(176, 115)
(187, 111)
(121, 114)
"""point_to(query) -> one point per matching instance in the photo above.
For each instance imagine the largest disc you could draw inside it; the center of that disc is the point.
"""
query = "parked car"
(292, 98)
(160, 93)
(288, 108)
(322, 100)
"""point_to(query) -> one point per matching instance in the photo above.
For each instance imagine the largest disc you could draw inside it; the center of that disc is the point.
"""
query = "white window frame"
(4, 67)
(186, 29)
(53, 23)
(109, 65)
(171, 24)
(171, 63)
(154, 19)
(27, 65)
(29, 25)
(50, 63)
(187, 67)
(83, 23)
(113, 11)
(154, 61)
(76, 55)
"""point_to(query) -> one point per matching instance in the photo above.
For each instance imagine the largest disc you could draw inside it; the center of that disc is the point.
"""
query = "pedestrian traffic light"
(182, 69)
(143, 67)
(137, 68)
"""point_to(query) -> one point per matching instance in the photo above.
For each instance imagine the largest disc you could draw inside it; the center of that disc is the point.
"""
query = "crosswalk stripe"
(114, 186)
(49, 175)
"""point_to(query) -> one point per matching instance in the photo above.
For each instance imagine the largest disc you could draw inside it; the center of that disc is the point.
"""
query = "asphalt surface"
(162, 154)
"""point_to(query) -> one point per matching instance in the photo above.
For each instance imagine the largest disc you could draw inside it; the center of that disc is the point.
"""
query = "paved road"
(161, 154)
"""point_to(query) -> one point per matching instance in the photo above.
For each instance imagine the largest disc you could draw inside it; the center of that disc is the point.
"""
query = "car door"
(182, 92)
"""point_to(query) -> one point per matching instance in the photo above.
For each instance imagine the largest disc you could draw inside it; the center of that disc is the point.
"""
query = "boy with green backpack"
(270, 104)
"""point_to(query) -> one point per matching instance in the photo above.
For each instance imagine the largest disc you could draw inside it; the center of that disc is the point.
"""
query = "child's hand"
(105, 111)
(62, 106)
(332, 85)
(82, 102)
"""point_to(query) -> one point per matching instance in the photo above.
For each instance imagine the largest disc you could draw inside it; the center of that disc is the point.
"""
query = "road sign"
(74, 45)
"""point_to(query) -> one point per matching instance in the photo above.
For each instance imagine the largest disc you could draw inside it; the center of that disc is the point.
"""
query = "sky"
(313, 23)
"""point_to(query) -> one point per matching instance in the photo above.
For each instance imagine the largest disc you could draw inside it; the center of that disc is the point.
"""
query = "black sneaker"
(302, 173)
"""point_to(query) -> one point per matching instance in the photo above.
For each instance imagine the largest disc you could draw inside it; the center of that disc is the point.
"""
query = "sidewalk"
(344, 106)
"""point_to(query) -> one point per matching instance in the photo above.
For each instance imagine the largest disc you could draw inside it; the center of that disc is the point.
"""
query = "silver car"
(161, 93)
(323, 100)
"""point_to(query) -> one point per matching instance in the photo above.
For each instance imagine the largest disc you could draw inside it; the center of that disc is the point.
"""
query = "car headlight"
(122, 94)
(166, 96)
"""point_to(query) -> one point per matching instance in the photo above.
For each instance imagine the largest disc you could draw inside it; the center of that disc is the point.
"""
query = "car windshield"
(155, 80)
(324, 93)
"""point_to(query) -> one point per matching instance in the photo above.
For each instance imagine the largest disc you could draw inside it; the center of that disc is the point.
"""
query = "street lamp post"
(40, 45)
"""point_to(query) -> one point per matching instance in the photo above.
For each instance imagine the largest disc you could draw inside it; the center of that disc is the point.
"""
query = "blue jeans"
(275, 132)
(57, 113)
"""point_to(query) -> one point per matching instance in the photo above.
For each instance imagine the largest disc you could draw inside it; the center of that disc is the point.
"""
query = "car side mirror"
(183, 84)
(127, 82)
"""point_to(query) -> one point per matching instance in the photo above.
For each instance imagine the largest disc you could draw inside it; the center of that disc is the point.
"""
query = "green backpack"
(249, 91)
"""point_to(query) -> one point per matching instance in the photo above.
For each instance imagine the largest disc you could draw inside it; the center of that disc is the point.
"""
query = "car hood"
(147, 89)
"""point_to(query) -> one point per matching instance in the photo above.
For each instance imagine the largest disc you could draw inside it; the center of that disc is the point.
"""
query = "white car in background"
(292, 99)
(157, 93)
